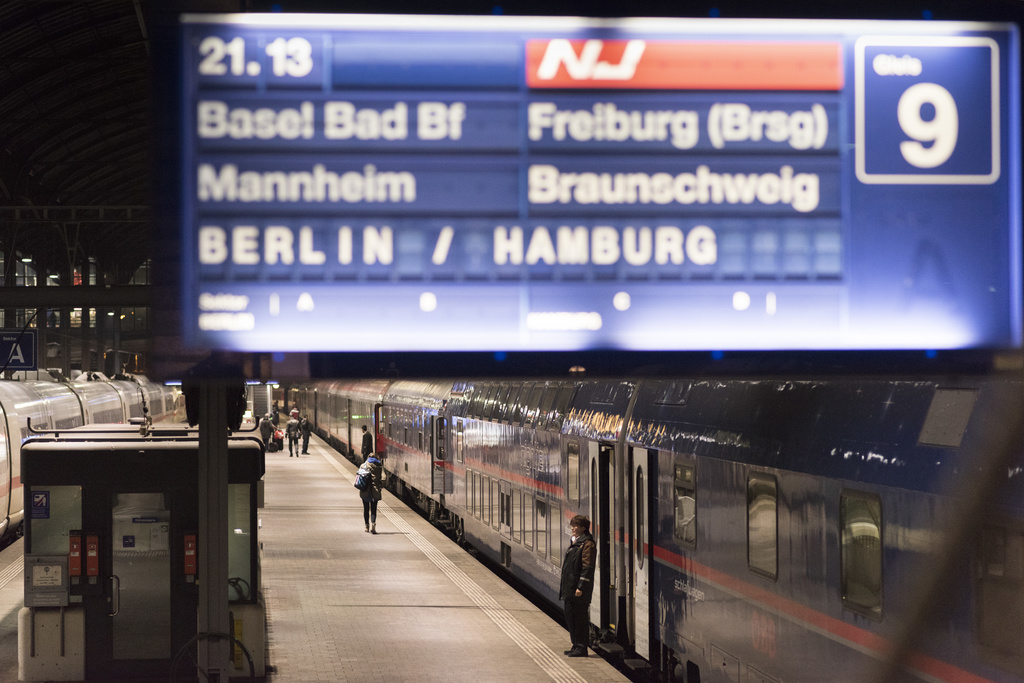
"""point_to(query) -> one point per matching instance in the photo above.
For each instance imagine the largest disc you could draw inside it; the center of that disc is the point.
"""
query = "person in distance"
(371, 495)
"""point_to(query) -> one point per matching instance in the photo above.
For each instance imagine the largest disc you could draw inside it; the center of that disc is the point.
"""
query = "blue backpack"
(363, 477)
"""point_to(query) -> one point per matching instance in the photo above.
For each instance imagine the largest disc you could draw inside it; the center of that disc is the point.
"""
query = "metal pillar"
(213, 625)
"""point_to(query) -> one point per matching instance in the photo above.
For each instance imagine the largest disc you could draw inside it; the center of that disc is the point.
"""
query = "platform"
(405, 604)
(345, 605)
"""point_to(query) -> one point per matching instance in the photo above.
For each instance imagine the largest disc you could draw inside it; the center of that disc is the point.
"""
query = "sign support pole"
(214, 647)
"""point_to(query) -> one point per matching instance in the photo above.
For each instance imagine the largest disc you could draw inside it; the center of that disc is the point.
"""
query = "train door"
(378, 431)
(347, 429)
(505, 508)
(600, 509)
(133, 599)
(640, 500)
(441, 479)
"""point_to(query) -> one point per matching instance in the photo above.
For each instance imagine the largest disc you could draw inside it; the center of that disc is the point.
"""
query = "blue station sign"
(390, 183)
(18, 349)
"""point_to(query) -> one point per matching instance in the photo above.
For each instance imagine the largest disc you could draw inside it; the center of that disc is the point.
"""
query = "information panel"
(389, 183)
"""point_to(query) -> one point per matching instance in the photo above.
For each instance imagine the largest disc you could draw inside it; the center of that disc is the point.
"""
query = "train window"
(531, 406)
(479, 490)
(860, 573)
(460, 442)
(685, 484)
(947, 418)
(419, 441)
(572, 473)
(541, 524)
(562, 401)
(1000, 595)
(489, 399)
(521, 394)
(528, 524)
(486, 500)
(471, 492)
(500, 404)
(762, 525)
(547, 403)
(476, 401)
(557, 534)
(674, 394)
(517, 515)
(505, 506)
(511, 414)
(495, 505)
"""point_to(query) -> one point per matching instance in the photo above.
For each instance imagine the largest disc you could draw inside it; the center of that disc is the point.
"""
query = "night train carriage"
(799, 447)
(514, 506)
(753, 548)
(514, 468)
(339, 409)
(413, 433)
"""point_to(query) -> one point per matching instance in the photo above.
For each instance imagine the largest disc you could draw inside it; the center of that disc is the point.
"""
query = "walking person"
(291, 430)
(305, 428)
(266, 431)
(367, 449)
(577, 585)
(371, 495)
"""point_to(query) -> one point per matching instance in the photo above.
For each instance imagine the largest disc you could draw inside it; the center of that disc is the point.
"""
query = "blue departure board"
(428, 183)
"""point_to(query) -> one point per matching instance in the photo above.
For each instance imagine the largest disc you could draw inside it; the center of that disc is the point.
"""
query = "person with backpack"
(371, 493)
(291, 430)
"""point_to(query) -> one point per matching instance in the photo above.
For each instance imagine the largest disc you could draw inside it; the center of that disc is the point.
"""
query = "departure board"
(429, 183)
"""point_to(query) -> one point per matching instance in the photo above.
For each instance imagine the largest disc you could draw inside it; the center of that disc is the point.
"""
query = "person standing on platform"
(367, 449)
(291, 431)
(266, 430)
(371, 495)
(305, 428)
(577, 585)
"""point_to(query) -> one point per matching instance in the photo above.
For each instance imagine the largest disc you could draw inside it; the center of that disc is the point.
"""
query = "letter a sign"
(18, 349)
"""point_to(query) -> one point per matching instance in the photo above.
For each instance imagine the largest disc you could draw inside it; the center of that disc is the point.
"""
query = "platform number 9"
(941, 130)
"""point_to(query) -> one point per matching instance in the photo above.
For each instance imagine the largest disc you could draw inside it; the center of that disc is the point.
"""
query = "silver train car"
(851, 529)
(47, 406)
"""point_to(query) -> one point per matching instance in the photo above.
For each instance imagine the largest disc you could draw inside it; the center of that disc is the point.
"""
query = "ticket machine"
(110, 554)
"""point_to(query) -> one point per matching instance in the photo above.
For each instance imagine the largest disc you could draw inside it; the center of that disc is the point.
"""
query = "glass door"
(131, 609)
(140, 577)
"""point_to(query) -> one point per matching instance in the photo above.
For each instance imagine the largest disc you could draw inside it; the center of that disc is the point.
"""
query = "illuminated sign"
(386, 183)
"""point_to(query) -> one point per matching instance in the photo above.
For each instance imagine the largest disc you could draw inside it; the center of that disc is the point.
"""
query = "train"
(92, 398)
(748, 529)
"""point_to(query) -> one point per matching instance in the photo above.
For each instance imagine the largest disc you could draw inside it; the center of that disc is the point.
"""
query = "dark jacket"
(372, 492)
(367, 448)
(578, 569)
(266, 429)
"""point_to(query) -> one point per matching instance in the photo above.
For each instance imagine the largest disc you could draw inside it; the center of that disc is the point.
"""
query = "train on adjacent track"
(54, 405)
(854, 529)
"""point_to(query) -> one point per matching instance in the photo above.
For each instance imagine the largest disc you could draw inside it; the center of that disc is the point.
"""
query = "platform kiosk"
(111, 583)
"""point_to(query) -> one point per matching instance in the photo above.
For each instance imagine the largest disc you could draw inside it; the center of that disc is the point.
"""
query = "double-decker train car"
(48, 406)
(748, 529)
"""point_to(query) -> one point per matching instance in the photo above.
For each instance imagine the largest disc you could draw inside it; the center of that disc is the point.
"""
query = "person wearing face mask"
(577, 584)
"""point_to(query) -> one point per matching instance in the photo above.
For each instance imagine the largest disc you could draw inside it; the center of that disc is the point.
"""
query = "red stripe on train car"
(840, 630)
